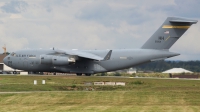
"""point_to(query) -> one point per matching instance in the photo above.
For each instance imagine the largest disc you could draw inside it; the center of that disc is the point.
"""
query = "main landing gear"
(87, 74)
(80, 74)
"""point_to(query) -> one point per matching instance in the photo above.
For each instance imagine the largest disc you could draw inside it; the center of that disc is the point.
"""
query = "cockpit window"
(8, 58)
(13, 54)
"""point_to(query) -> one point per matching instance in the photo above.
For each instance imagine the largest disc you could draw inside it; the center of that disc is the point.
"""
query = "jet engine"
(60, 60)
(56, 60)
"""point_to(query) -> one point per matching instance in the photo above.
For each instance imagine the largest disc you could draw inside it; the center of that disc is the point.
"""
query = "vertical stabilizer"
(168, 33)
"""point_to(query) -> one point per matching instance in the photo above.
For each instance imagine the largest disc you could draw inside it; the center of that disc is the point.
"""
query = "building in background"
(177, 70)
(181, 73)
(131, 70)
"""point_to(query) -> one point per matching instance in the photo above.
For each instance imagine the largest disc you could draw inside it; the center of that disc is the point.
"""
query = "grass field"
(68, 93)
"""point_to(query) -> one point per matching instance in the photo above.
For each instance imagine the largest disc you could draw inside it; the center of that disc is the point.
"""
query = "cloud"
(14, 7)
(111, 15)
(91, 24)
(179, 8)
(15, 16)
(187, 8)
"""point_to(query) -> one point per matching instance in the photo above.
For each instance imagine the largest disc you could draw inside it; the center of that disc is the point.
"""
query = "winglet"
(107, 57)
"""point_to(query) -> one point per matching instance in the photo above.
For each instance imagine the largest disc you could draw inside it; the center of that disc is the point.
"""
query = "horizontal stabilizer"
(183, 21)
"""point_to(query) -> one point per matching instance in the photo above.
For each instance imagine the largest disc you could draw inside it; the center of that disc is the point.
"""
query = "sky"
(94, 24)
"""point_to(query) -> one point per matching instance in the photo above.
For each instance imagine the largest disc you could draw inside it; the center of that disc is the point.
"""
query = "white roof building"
(177, 70)
(131, 70)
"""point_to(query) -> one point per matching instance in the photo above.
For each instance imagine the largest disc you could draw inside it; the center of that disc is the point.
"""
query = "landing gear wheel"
(79, 74)
(87, 74)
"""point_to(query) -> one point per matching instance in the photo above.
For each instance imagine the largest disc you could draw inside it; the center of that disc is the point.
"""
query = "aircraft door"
(25, 63)
(9, 63)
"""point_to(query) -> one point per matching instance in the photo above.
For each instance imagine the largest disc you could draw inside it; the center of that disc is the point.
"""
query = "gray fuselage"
(31, 60)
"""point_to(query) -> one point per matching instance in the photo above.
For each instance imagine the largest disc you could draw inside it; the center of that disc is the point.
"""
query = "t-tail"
(168, 33)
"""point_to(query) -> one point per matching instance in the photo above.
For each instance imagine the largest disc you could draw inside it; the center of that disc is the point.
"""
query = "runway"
(73, 75)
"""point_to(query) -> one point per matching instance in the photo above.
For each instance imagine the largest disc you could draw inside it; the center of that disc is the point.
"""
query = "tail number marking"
(160, 39)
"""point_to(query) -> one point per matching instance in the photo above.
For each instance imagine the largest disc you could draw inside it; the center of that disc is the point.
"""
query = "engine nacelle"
(60, 60)
(56, 60)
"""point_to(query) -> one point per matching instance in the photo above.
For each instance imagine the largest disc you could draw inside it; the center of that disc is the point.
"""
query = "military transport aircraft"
(96, 61)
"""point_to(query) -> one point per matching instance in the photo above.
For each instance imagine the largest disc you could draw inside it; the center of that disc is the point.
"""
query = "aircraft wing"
(85, 54)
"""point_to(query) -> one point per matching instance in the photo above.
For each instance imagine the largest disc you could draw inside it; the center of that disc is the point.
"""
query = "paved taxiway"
(110, 77)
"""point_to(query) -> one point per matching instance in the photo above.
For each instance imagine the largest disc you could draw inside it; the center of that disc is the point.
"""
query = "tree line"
(160, 66)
